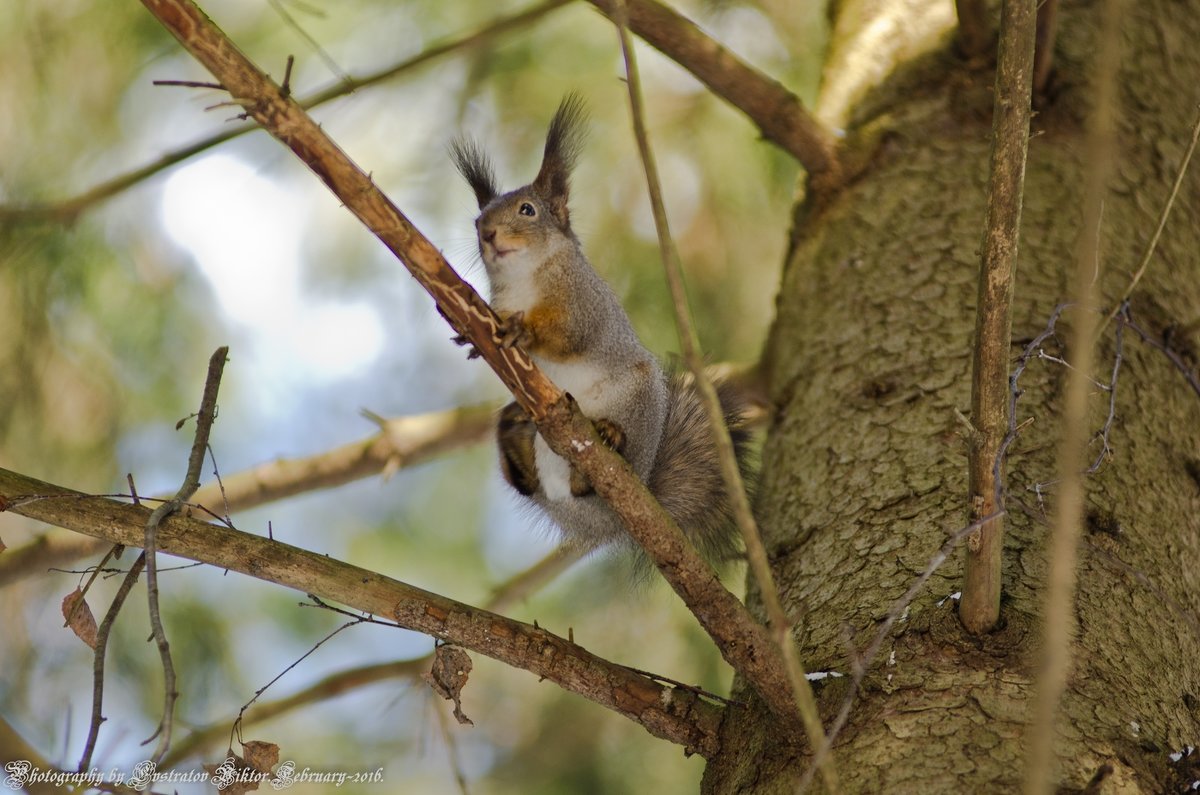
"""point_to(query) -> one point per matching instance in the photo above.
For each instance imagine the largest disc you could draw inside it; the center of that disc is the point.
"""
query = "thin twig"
(102, 633)
(291, 22)
(1189, 373)
(1118, 359)
(189, 84)
(735, 489)
(237, 723)
(1152, 246)
(69, 209)
(1014, 394)
(979, 608)
(94, 572)
(1059, 604)
(191, 482)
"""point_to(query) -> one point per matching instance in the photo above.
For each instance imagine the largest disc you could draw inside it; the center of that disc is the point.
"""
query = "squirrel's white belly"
(599, 392)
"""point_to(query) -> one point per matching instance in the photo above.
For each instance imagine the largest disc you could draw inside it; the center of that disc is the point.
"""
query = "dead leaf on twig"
(79, 618)
(238, 775)
(450, 671)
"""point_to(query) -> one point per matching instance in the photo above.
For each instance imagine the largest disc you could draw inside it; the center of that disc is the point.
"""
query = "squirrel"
(554, 305)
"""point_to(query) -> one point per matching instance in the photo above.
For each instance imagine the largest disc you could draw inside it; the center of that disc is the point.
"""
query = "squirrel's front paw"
(513, 331)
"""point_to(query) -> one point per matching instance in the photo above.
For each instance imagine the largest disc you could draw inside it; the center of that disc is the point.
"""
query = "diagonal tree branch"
(671, 713)
(778, 113)
(743, 643)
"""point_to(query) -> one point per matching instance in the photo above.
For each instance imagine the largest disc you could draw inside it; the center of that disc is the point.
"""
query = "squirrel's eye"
(527, 209)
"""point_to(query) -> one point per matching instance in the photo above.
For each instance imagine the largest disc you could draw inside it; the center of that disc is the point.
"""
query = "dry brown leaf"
(238, 775)
(450, 671)
(261, 755)
(80, 619)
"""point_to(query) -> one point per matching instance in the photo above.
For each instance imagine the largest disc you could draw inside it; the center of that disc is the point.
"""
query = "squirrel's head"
(533, 215)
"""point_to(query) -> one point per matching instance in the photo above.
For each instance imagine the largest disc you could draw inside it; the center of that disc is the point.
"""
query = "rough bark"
(864, 471)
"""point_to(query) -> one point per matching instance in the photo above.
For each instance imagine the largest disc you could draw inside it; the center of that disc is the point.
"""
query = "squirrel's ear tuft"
(563, 141)
(476, 167)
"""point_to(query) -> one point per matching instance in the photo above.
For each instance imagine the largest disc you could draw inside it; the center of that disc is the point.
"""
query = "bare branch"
(670, 713)
(1059, 605)
(102, 635)
(742, 642)
(979, 608)
(778, 113)
(191, 482)
(731, 472)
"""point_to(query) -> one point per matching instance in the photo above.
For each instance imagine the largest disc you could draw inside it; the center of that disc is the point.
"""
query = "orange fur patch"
(547, 325)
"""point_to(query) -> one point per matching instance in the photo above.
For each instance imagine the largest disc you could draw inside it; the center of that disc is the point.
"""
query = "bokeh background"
(108, 316)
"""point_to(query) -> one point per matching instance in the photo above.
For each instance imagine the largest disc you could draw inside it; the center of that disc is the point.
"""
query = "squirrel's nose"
(487, 235)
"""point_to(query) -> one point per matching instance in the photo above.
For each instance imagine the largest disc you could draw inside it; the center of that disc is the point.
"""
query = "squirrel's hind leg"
(515, 434)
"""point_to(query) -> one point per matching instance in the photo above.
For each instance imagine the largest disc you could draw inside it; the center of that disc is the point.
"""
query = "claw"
(512, 331)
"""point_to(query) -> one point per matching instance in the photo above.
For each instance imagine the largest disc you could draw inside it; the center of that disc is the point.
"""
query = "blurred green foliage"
(105, 324)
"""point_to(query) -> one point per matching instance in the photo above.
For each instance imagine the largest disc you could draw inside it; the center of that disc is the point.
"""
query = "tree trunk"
(864, 472)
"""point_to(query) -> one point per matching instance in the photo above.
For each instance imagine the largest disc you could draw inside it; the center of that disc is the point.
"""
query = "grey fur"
(535, 263)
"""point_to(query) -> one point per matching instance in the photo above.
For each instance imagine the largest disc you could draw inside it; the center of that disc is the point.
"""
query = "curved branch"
(743, 642)
(673, 714)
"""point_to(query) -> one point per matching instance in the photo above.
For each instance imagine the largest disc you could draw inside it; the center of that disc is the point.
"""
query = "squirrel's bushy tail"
(686, 477)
